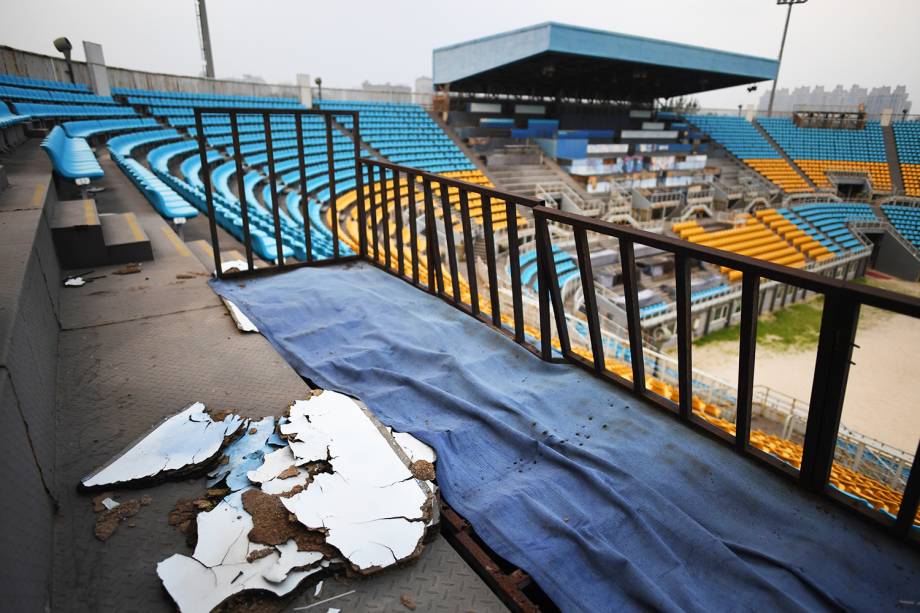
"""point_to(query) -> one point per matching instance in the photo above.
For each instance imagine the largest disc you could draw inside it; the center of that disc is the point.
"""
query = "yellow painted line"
(210, 250)
(89, 211)
(131, 218)
(178, 244)
(38, 195)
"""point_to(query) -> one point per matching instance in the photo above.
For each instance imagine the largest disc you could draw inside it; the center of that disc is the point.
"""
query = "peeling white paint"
(239, 318)
(370, 505)
(245, 454)
(109, 504)
(74, 282)
(290, 559)
(186, 439)
(414, 448)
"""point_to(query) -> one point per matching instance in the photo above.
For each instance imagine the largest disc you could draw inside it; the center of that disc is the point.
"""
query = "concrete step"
(894, 163)
(4, 182)
(784, 155)
(125, 240)
(77, 234)
(205, 254)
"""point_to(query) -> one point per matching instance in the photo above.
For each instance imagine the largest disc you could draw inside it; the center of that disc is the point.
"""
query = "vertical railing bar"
(684, 336)
(587, 289)
(750, 291)
(543, 247)
(208, 193)
(488, 231)
(832, 368)
(435, 275)
(359, 184)
(468, 252)
(240, 188)
(907, 513)
(397, 213)
(449, 239)
(333, 201)
(304, 199)
(276, 214)
(515, 264)
(413, 225)
(372, 188)
(385, 204)
(555, 294)
(630, 290)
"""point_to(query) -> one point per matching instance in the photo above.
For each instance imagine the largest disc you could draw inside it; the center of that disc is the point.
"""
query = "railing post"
(684, 336)
(432, 248)
(750, 293)
(514, 261)
(832, 368)
(359, 184)
(330, 163)
(240, 188)
(304, 198)
(911, 497)
(590, 298)
(489, 235)
(208, 191)
(629, 273)
(272, 177)
(546, 333)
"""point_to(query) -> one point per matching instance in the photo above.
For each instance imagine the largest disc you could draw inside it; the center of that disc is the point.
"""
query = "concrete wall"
(39, 66)
(29, 326)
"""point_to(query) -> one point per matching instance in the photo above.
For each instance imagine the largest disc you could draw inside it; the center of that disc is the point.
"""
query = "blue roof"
(464, 60)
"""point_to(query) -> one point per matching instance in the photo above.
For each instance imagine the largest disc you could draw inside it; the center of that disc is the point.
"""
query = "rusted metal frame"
(550, 285)
(634, 324)
(208, 191)
(413, 229)
(273, 179)
(832, 367)
(514, 261)
(911, 497)
(590, 298)
(684, 336)
(398, 214)
(750, 291)
(489, 235)
(385, 217)
(432, 248)
(447, 218)
(304, 199)
(330, 169)
(546, 332)
(372, 208)
(244, 205)
(359, 184)
(468, 252)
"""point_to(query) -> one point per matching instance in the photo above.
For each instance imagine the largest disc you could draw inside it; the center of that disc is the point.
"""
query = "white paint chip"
(186, 439)
(74, 282)
(109, 504)
(370, 505)
(414, 448)
(319, 588)
(243, 323)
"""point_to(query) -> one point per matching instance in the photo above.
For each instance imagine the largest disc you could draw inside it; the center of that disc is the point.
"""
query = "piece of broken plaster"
(186, 440)
(371, 507)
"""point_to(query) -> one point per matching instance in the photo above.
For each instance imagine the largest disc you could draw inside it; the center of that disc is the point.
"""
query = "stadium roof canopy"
(551, 59)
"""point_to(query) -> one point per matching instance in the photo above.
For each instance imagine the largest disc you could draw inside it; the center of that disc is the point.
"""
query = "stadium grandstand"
(518, 278)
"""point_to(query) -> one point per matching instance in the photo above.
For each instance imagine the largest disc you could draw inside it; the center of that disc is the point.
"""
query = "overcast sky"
(875, 42)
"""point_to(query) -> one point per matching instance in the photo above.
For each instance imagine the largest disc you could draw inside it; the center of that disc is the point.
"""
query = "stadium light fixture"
(782, 45)
(319, 85)
(63, 45)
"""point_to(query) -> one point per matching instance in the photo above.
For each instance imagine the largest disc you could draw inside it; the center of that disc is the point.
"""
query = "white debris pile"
(324, 488)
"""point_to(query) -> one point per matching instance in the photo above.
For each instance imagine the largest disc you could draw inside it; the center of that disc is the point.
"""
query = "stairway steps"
(894, 162)
(125, 240)
(784, 155)
(77, 234)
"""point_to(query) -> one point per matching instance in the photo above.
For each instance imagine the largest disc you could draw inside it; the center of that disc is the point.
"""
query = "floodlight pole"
(205, 33)
(782, 45)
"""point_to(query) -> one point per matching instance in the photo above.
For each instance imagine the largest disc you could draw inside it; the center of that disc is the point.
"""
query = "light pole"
(779, 60)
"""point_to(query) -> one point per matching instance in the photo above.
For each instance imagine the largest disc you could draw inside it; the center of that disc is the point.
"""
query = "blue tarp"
(607, 502)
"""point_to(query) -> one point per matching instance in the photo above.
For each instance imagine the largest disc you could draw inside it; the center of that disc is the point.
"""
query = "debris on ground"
(108, 520)
(407, 601)
(183, 442)
(243, 323)
(323, 489)
(74, 282)
(129, 269)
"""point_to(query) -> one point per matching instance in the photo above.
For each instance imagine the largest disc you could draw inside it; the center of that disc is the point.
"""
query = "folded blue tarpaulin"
(606, 501)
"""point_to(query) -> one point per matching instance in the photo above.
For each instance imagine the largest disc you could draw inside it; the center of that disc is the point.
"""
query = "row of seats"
(744, 141)
(7, 79)
(66, 111)
(8, 118)
(907, 140)
(87, 128)
(72, 158)
(210, 103)
(906, 220)
(8, 92)
(818, 151)
(126, 91)
(830, 220)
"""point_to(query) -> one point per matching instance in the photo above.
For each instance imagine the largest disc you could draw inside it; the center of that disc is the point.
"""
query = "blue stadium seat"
(72, 158)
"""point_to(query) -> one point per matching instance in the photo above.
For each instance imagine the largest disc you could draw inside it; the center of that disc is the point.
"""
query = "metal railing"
(427, 257)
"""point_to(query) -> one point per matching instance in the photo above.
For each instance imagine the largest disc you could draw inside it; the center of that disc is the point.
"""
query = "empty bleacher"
(907, 140)
(818, 151)
(906, 220)
(745, 142)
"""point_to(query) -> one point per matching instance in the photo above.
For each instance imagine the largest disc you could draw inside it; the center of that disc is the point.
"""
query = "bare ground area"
(883, 394)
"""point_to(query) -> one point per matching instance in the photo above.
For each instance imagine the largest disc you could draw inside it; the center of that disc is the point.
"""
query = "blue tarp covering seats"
(608, 503)
(72, 158)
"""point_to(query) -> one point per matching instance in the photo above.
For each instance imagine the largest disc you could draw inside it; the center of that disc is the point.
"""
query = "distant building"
(424, 85)
(875, 100)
